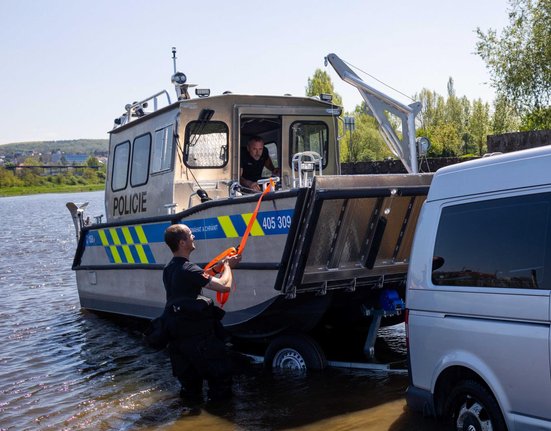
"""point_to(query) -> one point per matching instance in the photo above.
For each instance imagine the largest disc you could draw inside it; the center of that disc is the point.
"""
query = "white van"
(478, 295)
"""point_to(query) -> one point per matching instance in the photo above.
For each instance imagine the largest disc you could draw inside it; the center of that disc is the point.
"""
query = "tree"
(320, 83)
(519, 59)
(478, 125)
(504, 118)
(365, 143)
(92, 161)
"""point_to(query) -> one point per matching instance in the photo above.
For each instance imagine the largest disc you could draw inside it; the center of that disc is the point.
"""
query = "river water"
(63, 368)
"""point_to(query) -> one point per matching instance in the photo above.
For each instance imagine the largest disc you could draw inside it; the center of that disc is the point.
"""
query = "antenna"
(174, 58)
(179, 80)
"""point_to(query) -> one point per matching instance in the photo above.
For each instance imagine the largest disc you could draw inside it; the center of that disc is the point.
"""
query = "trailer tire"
(295, 352)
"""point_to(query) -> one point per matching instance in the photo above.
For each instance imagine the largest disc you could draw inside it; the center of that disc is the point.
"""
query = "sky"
(68, 67)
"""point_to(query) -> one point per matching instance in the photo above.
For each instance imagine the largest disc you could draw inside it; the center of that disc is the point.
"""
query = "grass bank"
(49, 188)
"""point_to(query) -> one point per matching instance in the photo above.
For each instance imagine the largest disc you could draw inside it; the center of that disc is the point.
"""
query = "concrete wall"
(396, 166)
(518, 141)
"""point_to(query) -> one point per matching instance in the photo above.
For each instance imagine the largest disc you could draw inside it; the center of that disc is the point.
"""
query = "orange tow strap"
(215, 265)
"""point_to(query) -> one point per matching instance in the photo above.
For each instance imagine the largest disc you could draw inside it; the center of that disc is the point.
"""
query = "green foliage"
(8, 179)
(539, 118)
(32, 161)
(454, 125)
(445, 141)
(505, 117)
(320, 83)
(92, 161)
(479, 125)
(80, 146)
(365, 143)
(519, 59)
(457, 127)
(34, 178)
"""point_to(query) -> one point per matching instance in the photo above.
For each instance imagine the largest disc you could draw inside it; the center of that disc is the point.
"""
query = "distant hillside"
(82, 146)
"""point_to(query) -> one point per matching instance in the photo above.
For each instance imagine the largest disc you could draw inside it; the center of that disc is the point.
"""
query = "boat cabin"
(169, 159)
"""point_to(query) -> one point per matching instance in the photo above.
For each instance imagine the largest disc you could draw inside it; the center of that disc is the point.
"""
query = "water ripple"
(67, 369)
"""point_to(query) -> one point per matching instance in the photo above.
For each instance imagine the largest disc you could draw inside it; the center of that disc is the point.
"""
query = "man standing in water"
(196, 353)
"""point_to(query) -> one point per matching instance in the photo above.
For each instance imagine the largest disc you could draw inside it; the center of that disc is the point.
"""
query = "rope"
(377, 79)
(215, 265)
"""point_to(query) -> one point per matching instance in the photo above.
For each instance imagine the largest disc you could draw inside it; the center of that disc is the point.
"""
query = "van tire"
(295, 352)
(470, 403)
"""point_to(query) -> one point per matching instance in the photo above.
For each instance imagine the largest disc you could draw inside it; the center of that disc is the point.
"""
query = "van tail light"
(406, 321)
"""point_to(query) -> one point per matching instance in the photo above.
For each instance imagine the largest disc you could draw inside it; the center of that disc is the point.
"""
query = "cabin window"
(162, 150)
(494, 243)
(206, 144)
(272, 151)
(140, 160)
(121, 156)
(309, 136)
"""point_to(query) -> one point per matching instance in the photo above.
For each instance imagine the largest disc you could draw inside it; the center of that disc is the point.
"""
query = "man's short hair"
(255, 139)
(174, 234)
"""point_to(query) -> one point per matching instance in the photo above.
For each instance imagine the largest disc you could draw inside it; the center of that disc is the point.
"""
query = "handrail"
(136, 109)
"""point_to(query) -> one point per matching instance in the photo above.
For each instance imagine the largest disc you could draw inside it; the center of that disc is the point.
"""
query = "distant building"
(71, 159)
(76, 159)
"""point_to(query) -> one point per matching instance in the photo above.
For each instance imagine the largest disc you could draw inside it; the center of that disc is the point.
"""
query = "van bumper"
(420, 400)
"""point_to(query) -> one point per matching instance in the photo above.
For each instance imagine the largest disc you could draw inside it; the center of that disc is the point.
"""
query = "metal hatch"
(356, 230)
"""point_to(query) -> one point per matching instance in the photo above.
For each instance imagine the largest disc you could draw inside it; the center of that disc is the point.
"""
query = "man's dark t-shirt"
(183, 279)
(252, 169)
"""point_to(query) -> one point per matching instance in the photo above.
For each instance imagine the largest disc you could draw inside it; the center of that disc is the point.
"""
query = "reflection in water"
(64, 368)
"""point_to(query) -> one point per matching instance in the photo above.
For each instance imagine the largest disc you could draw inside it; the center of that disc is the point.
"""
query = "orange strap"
(215, 265)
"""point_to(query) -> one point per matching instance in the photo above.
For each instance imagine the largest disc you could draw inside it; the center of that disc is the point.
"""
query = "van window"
(494, 243)
(140, 160)
(121, 157)
(309, 136)
(206, 144)
(162, 150)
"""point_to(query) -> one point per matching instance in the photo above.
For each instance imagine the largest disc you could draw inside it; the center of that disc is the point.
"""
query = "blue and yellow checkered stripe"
(126, 244)
(131, 244)
(234, 226)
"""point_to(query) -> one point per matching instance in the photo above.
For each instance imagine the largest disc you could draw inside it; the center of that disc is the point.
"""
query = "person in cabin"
(197, 353)
(253, 161)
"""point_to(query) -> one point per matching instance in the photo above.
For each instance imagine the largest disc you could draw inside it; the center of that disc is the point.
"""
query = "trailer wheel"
(472, 407)
(295, 352)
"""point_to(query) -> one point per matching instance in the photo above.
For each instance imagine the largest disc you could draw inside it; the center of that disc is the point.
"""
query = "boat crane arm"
(405, 148)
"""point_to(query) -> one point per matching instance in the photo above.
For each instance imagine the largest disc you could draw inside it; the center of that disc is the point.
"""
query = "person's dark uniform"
(196, 353)
(252, 169)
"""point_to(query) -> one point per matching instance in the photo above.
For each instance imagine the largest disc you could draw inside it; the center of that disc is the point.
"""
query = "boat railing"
(306, 166)
(138, 109)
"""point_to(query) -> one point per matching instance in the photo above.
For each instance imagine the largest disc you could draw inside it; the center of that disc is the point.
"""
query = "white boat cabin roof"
(162, 159)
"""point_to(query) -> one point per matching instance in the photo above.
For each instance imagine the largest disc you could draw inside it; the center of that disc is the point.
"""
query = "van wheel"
(472, 408)
(297, 352)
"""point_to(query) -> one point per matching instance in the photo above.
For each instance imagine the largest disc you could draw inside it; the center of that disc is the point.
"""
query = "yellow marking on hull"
(141, 234)
(256, 230)
(127, 235)
(115, 253)
(128, 254)
(115, 236)
(103, 238)
(141, 253)
(227, 227)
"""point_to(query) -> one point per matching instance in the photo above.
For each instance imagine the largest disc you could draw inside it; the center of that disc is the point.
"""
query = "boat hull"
(329, 255)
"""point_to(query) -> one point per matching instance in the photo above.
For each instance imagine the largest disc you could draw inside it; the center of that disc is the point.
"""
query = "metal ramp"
(355, 232)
